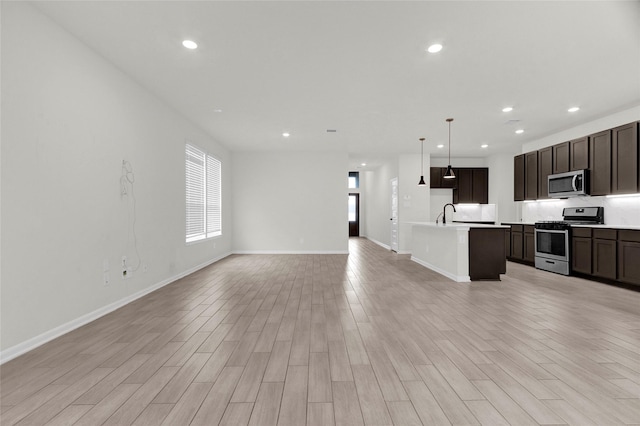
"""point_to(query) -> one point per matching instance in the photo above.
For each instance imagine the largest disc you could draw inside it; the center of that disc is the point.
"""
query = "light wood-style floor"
(365, 339)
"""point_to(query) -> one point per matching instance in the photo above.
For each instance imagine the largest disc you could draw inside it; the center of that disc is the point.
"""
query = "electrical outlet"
(126, 271)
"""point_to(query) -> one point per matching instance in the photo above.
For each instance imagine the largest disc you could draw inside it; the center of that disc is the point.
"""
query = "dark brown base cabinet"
(507, 242)
(581, 252)
(522, 247)
(629, 256)
(529, 244)
(604, 253)
(487, 254)
(517, 242)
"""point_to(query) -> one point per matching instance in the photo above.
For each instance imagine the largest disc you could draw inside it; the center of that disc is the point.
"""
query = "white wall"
(376, 202)
(501, 187)
(69, 118)
(413, 200)
(293, 202)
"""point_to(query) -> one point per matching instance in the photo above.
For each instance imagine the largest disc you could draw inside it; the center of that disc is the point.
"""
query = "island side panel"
(487, 253)
(443, 249)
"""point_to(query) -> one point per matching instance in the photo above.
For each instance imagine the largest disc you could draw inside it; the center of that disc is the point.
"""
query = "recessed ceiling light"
(217, 110)
(434, 48)
(286, 135)
(440, 146)
(189, 44)
(507, 109)
(363, 164)
(484, 145)
(519, 131)
(574, 109)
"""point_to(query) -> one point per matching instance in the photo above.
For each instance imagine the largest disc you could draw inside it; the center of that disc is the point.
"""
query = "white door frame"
(395, 232)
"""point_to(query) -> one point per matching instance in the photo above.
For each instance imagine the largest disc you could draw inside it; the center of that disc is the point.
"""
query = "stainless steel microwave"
(570, 184)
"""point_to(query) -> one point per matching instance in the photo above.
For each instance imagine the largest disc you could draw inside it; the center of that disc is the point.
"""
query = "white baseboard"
(290, 252)
(383, 245)
(34, 342)
(457, 278)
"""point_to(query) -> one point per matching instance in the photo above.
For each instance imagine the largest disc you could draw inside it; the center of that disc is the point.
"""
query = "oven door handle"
(573, 182)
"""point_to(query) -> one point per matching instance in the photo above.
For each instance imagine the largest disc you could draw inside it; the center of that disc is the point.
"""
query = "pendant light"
(449, 173)
(422, 183)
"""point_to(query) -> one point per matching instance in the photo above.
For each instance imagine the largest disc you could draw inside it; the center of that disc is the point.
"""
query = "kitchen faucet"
(444, 212)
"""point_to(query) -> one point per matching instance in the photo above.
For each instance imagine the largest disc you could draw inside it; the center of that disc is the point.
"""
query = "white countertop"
(631, 227)
(457, 226)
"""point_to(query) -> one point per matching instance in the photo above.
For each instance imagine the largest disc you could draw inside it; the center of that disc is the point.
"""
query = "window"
(354, 178)
(204, 194)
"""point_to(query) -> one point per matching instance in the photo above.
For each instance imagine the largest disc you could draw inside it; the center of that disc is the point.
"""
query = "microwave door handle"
(573, 182)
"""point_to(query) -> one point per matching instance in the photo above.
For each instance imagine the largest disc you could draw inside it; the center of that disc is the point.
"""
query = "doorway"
(354, 215)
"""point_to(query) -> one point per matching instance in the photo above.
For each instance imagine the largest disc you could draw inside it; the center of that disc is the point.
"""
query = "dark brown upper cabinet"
(545, 168)
(531, 175)
(436, 175)
(624, 153)
(561, 158)
(579, 154)
(480, 192)
(518, 177)
(472, 185)
(463, 191)
(600, 162)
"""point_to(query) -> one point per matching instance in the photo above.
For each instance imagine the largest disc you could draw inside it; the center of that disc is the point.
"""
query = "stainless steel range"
(553, 238)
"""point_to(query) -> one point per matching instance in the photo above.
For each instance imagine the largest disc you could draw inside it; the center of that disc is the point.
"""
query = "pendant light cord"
(449, 141)
(422, 157)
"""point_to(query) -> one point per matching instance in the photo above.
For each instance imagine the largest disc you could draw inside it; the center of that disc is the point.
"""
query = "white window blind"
(203, 194)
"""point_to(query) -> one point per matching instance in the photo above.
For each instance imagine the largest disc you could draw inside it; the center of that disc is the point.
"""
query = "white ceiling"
(361, 68)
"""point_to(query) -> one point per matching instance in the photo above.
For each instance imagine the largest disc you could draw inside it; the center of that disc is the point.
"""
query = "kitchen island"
(460, 251)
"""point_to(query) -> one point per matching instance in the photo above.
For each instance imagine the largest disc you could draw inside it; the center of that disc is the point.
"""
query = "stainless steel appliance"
(570, 184)
(553, 238)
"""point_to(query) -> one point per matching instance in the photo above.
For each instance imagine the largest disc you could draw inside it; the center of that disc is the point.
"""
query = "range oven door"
(552, 244)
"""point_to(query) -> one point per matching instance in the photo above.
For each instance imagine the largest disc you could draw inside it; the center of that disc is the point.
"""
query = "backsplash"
(617, 210)
(475, 213)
